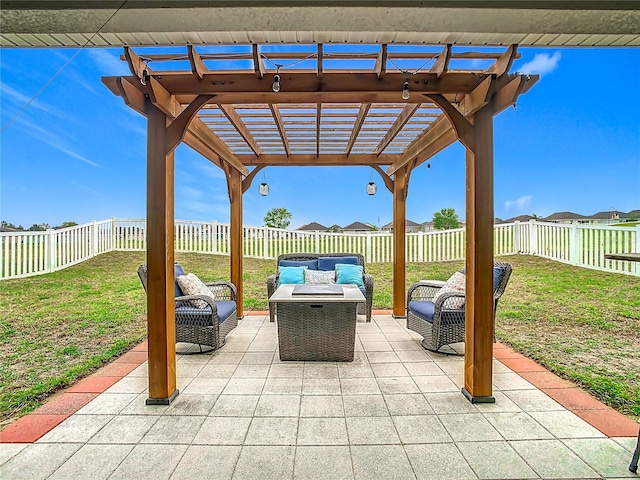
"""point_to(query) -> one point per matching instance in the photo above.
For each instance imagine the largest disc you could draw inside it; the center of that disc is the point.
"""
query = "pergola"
(388, 107)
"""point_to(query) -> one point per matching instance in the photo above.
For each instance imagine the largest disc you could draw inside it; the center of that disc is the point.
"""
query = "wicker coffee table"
(317, 326)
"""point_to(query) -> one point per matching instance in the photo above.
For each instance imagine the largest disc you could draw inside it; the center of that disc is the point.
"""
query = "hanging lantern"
(371, 188)
(263, 189)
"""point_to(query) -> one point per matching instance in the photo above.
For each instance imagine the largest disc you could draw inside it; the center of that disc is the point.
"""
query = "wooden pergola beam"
(362, 116)
(198, 68)
(258, 65)
(211, 140)
(280, 125)
(240, 127)
(460, 124)
(403, 118)
(442, 63)
(137, 65)
(380, 67)
(248, 83)
(503, 64)
(322, 160)
(320, 58)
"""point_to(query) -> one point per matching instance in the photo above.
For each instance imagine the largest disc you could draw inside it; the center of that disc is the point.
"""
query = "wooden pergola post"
(160, 258)
(478, 367)
(234, 179)
(400, 180)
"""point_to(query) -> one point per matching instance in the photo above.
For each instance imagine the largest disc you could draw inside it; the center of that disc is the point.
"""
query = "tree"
(68, 224)
(277, 218)
(446, 219)
(39, 227)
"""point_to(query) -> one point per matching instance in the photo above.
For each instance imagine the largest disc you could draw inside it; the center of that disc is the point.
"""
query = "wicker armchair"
(363, 309)
(202, 326)
(442, 323)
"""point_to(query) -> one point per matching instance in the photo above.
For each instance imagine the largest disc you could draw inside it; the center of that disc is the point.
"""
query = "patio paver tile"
(421, 429)
(206, 386)
(129, 385)
(565, 424)
(355, 371)
(604, 455)
(389, 370)
(469, 427)
(139, 407)
(192, 404)
(320, 371)
(83, 463)
(132, 356)
(10, 450)
(265, 463)
(435, 384)
(222, 431)
(272, 431)
(93, 384)
(207, 461)
(150, 462)
(387, 462)
(533, 400)
(574, 398)
(286, 371)
(413, 355)
(244, 386)
(391, 385)
(257, 358)
(511, 381)
(65, 404)
(322, 462)
(76, 428)
(117, 369)
(408, 404)
(250, 371)
(321, 386)
(322, 431)
(449, 402)
(610, 422)
(282, 386)
(321, 406)
(38, 461)
(365, 406)
(552, 459)
(517, 426)
(173, 430)
(235, 406)
(371, 431)
(495, 460)
(438, 461)
(30, 428)
(423, 368)
(125, 429)
(382, 346)
(503, 404)
(383, 357)
(523, 364)
(278, 406)
(546, 380)
(359, 386)
(107, 404)
(214, 370)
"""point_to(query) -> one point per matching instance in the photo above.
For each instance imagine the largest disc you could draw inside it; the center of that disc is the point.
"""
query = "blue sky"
(77, 153)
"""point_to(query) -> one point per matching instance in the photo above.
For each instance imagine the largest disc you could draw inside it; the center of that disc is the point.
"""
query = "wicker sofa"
(202, 326)
(442, 323)
(363, 309)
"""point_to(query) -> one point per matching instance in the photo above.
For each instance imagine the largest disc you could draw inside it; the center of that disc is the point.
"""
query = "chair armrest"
(223, 290)
(209, 300)
(423, 290)
(272, 283)
(445, 300)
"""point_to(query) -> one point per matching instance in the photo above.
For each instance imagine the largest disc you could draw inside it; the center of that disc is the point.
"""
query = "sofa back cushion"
(177, 271)
(310, 264)
(329, 263)
(319, 277)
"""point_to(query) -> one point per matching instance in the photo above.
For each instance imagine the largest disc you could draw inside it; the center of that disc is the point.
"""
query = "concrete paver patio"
(395, 412)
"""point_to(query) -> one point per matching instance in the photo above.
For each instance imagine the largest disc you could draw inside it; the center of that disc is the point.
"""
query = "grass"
(56, 328)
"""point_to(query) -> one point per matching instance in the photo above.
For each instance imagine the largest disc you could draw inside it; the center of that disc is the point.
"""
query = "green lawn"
(582, 324)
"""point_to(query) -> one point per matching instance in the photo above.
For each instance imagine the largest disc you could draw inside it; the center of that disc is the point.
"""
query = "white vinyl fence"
(23, 254)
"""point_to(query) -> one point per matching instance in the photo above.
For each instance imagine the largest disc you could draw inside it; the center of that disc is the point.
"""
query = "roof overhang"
(145, 23)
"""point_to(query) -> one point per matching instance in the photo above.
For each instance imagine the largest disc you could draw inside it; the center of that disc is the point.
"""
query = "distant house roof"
(9, 229)
(313, 226)
(633, 214)
(565, 216)
(335, 227)
(498, 221)
(357, 226)
(408, 223)
(607, 214)
(519, 218)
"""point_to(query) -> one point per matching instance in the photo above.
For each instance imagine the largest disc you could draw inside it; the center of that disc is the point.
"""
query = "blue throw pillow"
(346, 273)
(310, 264)
(291, 275)
(497, 275)
(329, 263)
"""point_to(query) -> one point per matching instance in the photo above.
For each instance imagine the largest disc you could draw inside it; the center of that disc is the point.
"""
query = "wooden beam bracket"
(388, 181)
(462, 126)
(137, 65)
(198, 68)
(177, 129)
(442, 63)
(246, 183)
(503, 64)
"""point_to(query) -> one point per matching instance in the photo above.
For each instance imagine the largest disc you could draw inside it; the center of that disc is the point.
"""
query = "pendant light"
(371, 186)
(263, 189)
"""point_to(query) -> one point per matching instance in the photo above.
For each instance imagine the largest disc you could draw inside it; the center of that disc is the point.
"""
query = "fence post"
(573, 244)
(517, 237)
(113, 234)
(317, 235)
(94, 238)
(51, 249)
(214, 236)
(533, 237)
(367, 253)
(636, 265)
(420, 246)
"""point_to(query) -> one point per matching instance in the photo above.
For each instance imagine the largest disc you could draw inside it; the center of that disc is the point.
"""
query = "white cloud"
(520, 203)
(20, 99)
(541, 64)
(75, 155)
